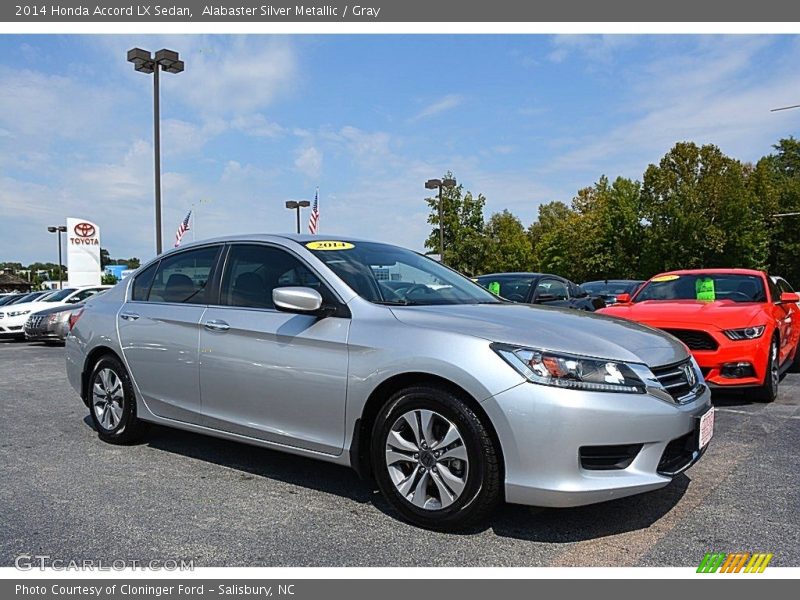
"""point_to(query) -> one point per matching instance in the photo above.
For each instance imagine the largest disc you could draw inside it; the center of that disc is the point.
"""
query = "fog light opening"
(737, 370)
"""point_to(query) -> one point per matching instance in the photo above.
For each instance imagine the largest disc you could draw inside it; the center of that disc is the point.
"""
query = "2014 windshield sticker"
(330, 245)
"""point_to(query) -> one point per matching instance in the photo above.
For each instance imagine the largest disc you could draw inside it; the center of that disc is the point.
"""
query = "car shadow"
(259, 462)
(508, 520)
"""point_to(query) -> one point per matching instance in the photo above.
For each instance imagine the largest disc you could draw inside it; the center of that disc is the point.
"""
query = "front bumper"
(754, 352)
(543, 429)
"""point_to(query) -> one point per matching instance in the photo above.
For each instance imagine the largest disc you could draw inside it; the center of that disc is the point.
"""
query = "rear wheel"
(769, 390)
(112, 403)
(434, 460)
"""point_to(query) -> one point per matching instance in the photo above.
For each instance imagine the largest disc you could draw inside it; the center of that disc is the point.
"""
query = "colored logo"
(84, 230)
(744, 562)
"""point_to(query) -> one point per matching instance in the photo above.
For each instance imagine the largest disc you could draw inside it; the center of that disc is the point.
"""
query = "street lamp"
(144, 62)
(292, 205)
(433, 184)
(58, 230)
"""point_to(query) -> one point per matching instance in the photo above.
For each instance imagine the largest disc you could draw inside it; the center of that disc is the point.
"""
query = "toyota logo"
(84, 230)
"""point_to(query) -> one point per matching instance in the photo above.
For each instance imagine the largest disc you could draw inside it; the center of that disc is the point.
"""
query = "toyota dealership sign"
(83, 252)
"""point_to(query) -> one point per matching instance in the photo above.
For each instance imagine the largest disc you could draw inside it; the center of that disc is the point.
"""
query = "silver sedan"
(373, 356)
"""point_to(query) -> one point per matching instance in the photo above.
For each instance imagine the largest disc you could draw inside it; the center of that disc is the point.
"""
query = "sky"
(257, 120)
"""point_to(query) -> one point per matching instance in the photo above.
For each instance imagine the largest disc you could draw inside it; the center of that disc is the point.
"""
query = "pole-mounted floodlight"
(433, 184)
(144, 62)
(59, 230)
(296, 206)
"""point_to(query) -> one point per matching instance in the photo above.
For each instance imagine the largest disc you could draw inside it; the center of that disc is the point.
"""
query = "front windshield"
(59, 295)
(704, 287)
(390, 275)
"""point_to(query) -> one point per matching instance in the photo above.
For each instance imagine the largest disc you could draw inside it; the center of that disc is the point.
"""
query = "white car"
(13, 317)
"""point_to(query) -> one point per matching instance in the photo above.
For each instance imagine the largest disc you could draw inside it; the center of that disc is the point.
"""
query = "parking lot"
(179, 495)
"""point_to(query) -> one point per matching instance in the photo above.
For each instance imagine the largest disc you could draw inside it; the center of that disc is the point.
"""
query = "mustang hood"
(555, 329)
(724, 314)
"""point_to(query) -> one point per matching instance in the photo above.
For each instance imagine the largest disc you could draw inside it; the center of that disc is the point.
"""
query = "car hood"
(48, 308)
(559, 330)
(721, 313)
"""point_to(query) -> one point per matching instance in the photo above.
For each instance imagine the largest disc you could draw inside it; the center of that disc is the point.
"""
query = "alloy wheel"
(108, 398)
(774, 367)
(427, 459)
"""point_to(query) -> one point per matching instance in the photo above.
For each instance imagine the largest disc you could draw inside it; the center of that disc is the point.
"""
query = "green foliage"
(108, 279)
(696, 208)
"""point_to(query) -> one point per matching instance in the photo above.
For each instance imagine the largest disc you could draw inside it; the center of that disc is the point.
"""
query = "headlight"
(18, 313)
(573, 372)
(747, 333)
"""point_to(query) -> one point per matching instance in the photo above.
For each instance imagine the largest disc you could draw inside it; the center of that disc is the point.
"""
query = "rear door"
(159, 330)
(267, 374)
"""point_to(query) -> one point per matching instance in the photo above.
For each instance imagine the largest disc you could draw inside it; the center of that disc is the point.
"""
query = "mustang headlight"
(18, 313)
(746, 333)
(573, 372)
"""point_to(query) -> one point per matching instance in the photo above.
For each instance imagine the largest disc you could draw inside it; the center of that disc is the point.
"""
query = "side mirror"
(789, 297)
(301, 300)
(623, 298)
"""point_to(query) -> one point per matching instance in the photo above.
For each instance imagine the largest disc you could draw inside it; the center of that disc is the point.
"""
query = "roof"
(8, 279)
(518, 274)
(731, 271)
(273, 237)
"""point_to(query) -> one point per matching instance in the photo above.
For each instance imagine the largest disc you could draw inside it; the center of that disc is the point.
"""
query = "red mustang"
(741, 329)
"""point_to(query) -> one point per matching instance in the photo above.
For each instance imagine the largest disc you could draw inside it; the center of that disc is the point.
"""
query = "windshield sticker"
(704, 289)
(330, 245)
(494, 287)
(661, 278)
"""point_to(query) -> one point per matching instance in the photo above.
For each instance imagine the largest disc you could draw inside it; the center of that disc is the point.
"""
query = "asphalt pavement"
(180, 495)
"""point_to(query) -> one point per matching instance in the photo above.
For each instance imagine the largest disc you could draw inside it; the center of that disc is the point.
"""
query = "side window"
(183, 278)
(84, 294)
(142, 283)
(774, 290)
(548, 290)
(784, 286)
(253, 271)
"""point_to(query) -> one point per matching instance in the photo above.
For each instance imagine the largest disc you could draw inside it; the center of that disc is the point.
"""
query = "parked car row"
(43, 316)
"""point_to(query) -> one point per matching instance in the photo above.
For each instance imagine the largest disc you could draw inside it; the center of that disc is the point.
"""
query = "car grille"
(696, 340)
(678, 454)
(675, 380)
(34, 322)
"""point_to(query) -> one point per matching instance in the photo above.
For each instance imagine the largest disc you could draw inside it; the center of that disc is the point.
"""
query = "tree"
(463, 228)
(508, 247)
(700, 212)
(105, 258)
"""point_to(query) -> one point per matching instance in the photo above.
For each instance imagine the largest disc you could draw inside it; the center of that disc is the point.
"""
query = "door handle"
(216, 325)
(128, 316)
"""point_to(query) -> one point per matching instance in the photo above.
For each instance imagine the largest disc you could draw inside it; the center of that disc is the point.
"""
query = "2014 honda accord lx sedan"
(376, 357)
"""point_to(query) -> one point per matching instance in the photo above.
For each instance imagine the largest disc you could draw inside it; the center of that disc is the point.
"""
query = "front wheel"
(769, 390)
(112, 403)
(434, 460)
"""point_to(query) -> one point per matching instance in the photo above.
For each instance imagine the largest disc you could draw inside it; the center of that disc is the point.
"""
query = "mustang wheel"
(112, 403)
(769, 390)
(434, 460)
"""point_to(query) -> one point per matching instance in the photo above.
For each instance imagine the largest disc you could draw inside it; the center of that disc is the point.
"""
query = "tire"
(462, 483)
(112, 403)
(769, 390)
(795, 367)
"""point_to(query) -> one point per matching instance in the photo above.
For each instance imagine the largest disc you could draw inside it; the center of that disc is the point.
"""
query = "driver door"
(551, 292)
(267, 374)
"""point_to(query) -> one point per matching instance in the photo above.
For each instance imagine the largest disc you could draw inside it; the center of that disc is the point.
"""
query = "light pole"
(144, 62)
(293, 205)
(59, 230)
(433, 184)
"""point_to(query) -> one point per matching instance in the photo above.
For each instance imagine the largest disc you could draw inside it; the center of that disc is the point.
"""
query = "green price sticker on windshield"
(704, 289)
(494, 287)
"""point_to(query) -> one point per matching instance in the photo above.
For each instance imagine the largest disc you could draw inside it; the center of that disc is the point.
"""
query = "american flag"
(313, 220)
(182, 229)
